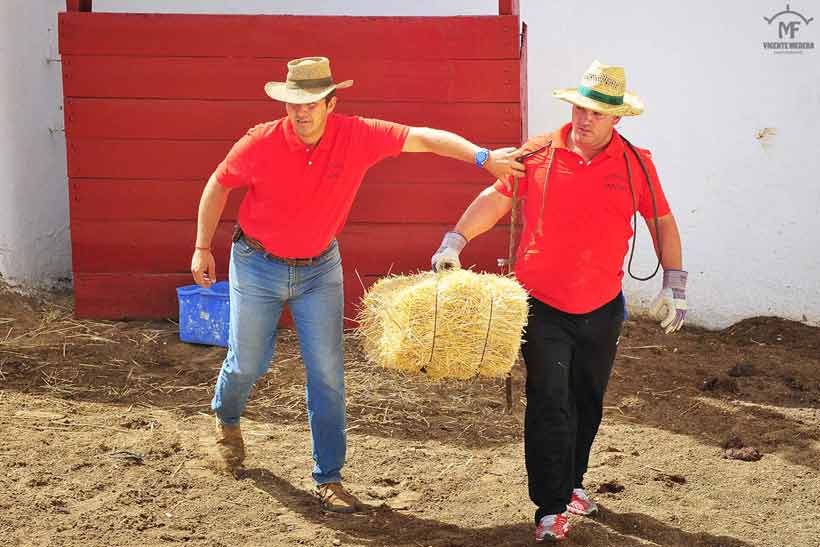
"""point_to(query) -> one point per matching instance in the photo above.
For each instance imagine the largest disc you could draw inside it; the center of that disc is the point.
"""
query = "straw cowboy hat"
(308, 81)
(603, 89)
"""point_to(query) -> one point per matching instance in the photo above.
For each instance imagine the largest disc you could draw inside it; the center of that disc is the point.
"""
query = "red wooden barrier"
(154, 102)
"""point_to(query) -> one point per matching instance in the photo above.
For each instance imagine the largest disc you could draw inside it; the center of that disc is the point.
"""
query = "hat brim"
(279, 91)
(633, 106)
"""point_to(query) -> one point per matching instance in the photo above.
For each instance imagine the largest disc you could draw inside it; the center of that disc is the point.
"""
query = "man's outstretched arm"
(500, 162)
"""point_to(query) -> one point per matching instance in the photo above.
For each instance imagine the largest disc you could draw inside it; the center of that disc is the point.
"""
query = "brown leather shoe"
(333, 497)
(230, 445)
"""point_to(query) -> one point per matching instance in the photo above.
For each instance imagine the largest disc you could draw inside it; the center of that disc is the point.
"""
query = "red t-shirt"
(299, 196)
(572, 256)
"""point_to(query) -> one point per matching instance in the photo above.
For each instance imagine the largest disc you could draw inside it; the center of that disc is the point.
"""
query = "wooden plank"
(144, 159)
(408, 204)
(166, 246)
(117, 200)
(287, 36)
(243, 78)
(219, 120)
(141, 247)
(121, 200)
(186, 160)
(127, 295)
(148, 296)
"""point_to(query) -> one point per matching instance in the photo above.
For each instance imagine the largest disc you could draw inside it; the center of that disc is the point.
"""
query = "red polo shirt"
(299, 196)
(572, 257)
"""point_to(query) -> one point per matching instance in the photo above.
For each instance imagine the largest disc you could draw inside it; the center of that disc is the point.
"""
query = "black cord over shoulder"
(635, 213)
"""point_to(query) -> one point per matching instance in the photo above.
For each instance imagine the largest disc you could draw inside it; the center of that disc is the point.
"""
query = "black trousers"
(569, 359)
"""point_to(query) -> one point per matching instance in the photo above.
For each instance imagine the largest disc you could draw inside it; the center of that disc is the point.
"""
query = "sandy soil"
(104, 435)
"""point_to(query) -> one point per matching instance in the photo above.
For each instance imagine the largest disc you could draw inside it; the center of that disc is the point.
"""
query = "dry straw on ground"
(452, 324)
(143, 364)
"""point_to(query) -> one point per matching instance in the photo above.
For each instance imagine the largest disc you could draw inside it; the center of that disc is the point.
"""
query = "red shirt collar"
(295, 143)
(615, 148)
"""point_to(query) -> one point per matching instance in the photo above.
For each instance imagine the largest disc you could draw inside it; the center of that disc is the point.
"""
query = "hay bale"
(452, 324)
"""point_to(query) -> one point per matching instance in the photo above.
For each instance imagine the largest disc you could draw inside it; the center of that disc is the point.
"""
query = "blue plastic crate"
(204, 314)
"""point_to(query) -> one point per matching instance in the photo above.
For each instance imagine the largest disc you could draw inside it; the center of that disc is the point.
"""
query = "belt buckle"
(256, 244)
(299, 261)
(308, 261)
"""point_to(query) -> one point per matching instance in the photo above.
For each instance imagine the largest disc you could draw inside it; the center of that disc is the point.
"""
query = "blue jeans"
(260, 287)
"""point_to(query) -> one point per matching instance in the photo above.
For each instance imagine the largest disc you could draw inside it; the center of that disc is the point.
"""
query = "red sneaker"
(580, 504)
(552, 528)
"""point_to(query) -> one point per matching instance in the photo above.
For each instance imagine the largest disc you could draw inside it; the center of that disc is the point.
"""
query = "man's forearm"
(442, 143)
(671, 253)
(502, 163)
(483, 213)
(211, 205)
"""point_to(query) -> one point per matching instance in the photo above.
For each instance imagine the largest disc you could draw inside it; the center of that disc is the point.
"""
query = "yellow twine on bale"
(452, 324)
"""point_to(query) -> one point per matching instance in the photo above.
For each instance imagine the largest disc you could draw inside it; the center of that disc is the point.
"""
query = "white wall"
(749, 209)
(34, 237)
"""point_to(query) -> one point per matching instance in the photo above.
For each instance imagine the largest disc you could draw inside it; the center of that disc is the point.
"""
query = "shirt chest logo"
(616, 182)
(335, 170)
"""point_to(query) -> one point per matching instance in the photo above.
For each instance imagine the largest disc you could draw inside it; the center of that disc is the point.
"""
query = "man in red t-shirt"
(583, 184)
(302, 173)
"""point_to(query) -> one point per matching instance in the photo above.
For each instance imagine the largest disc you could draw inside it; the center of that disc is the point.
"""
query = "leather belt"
(257, 245)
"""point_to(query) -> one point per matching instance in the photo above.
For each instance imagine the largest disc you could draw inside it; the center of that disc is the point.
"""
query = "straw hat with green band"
(308, 81)
(603, 89)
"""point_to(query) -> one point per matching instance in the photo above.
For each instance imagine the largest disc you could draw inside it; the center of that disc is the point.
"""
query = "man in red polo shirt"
(582, 185)
(302, 173)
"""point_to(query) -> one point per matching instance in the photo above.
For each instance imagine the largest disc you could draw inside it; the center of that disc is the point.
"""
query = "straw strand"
(487, 337)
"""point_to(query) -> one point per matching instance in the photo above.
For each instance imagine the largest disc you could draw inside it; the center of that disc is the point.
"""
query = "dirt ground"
(104, 433)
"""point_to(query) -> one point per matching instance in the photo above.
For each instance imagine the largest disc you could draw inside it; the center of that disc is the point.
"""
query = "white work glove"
(446, 258)
(669, 307)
